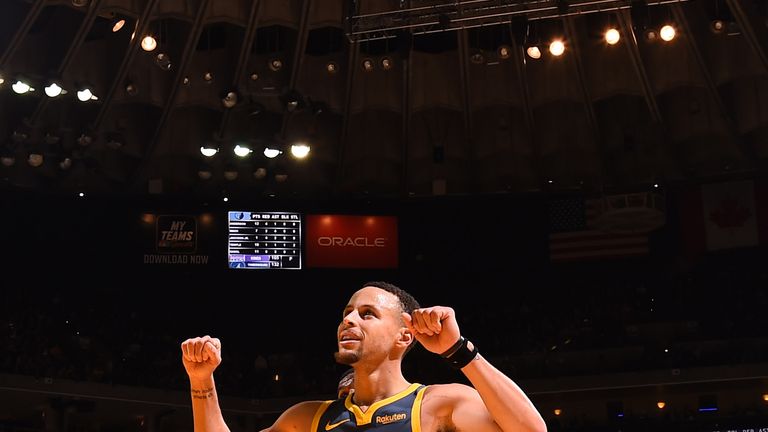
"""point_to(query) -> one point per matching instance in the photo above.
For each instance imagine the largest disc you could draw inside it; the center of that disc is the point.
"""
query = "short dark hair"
(407, 302)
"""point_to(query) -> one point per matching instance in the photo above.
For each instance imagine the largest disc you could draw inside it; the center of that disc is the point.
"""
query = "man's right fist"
(201, 356)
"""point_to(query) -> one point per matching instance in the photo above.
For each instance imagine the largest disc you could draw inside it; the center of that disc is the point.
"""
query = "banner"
(345, 241)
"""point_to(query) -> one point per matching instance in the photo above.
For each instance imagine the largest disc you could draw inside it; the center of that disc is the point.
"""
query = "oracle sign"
(345, 241)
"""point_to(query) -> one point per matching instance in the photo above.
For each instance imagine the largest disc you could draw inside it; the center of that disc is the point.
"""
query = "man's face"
(371, 324)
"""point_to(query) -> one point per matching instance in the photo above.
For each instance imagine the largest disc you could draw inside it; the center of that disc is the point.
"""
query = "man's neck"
(372, 386)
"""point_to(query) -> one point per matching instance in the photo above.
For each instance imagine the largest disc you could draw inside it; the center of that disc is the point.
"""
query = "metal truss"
(440, 15)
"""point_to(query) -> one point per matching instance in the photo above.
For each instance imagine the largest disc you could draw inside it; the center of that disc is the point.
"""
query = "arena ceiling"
(459, 108)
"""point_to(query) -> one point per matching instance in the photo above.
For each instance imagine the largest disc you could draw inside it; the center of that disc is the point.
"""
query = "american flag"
(574, 237)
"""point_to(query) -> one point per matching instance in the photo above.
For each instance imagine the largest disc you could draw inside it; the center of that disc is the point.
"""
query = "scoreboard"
(264, 240)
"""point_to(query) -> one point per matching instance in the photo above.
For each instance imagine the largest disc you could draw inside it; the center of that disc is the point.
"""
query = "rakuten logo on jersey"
(376, 242)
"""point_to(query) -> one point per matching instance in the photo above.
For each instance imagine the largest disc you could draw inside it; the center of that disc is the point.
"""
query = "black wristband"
(459, 355)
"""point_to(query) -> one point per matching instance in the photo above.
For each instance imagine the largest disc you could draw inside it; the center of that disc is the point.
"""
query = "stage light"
(612, 36)
(300, 151)
(53, 90)
(275, 64)
(650, 34)
(163, 61)
(717, 26)
(667, 33)
(20, 87)
(149, 43)
(504, 52)
(117, 25)
(65, 163)
(230, 99)
(208, 77)
(35, 158)
(209, 149)
(84, 140)
(533, 52)
(477, 58)
(386, 63)
(271, 152)
(242, 150)
(230, 173)
(185, 80)
(204, 172)
(557, 411)
(367, 65)
(131, 89)
(331, 67)
(661, 404)
(85, 94)
(280, 178)
(254, 76)
(557, 47)
(260, 173)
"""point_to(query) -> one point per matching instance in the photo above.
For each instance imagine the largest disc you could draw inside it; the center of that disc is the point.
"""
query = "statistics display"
(264, 240)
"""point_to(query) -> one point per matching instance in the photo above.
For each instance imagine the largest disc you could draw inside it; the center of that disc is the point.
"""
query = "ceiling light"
(149, 43)
(300, 151)
(85, 95)
(667, 33)
(717, 26)
(230, 99)
(7, 156)
(20, 87)
(84, 140)
(8, 160)
(204, 172)
(612, 36)
(557, 47)
(35, 158)
(131, 89)
(163, 61)
(275, 64)
(533, 52)
(117, 25)
(53, 90)
(65, 163)
(208, 150)
(242, 151)
(504, 52)
(271, 152)
(230, 173)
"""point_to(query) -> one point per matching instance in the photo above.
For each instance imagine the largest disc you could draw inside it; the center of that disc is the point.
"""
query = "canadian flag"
(725, 215)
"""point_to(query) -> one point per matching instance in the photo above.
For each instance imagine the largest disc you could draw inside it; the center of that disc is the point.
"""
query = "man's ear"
(406, 337)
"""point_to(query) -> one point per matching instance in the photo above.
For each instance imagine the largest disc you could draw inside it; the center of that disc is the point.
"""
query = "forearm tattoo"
(205, 393)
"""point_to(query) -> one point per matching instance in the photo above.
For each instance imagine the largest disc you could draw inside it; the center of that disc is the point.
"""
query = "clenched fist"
(201, 356)
(434, 327)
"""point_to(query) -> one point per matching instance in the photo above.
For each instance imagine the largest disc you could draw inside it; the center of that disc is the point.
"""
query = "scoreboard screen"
(264, 240)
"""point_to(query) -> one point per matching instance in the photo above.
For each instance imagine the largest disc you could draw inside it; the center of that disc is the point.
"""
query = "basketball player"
(378, 326)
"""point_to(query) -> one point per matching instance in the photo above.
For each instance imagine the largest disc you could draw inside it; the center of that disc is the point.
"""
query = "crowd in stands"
(621, 322)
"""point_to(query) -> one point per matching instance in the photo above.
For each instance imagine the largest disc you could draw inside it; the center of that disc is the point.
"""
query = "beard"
(347, 358)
